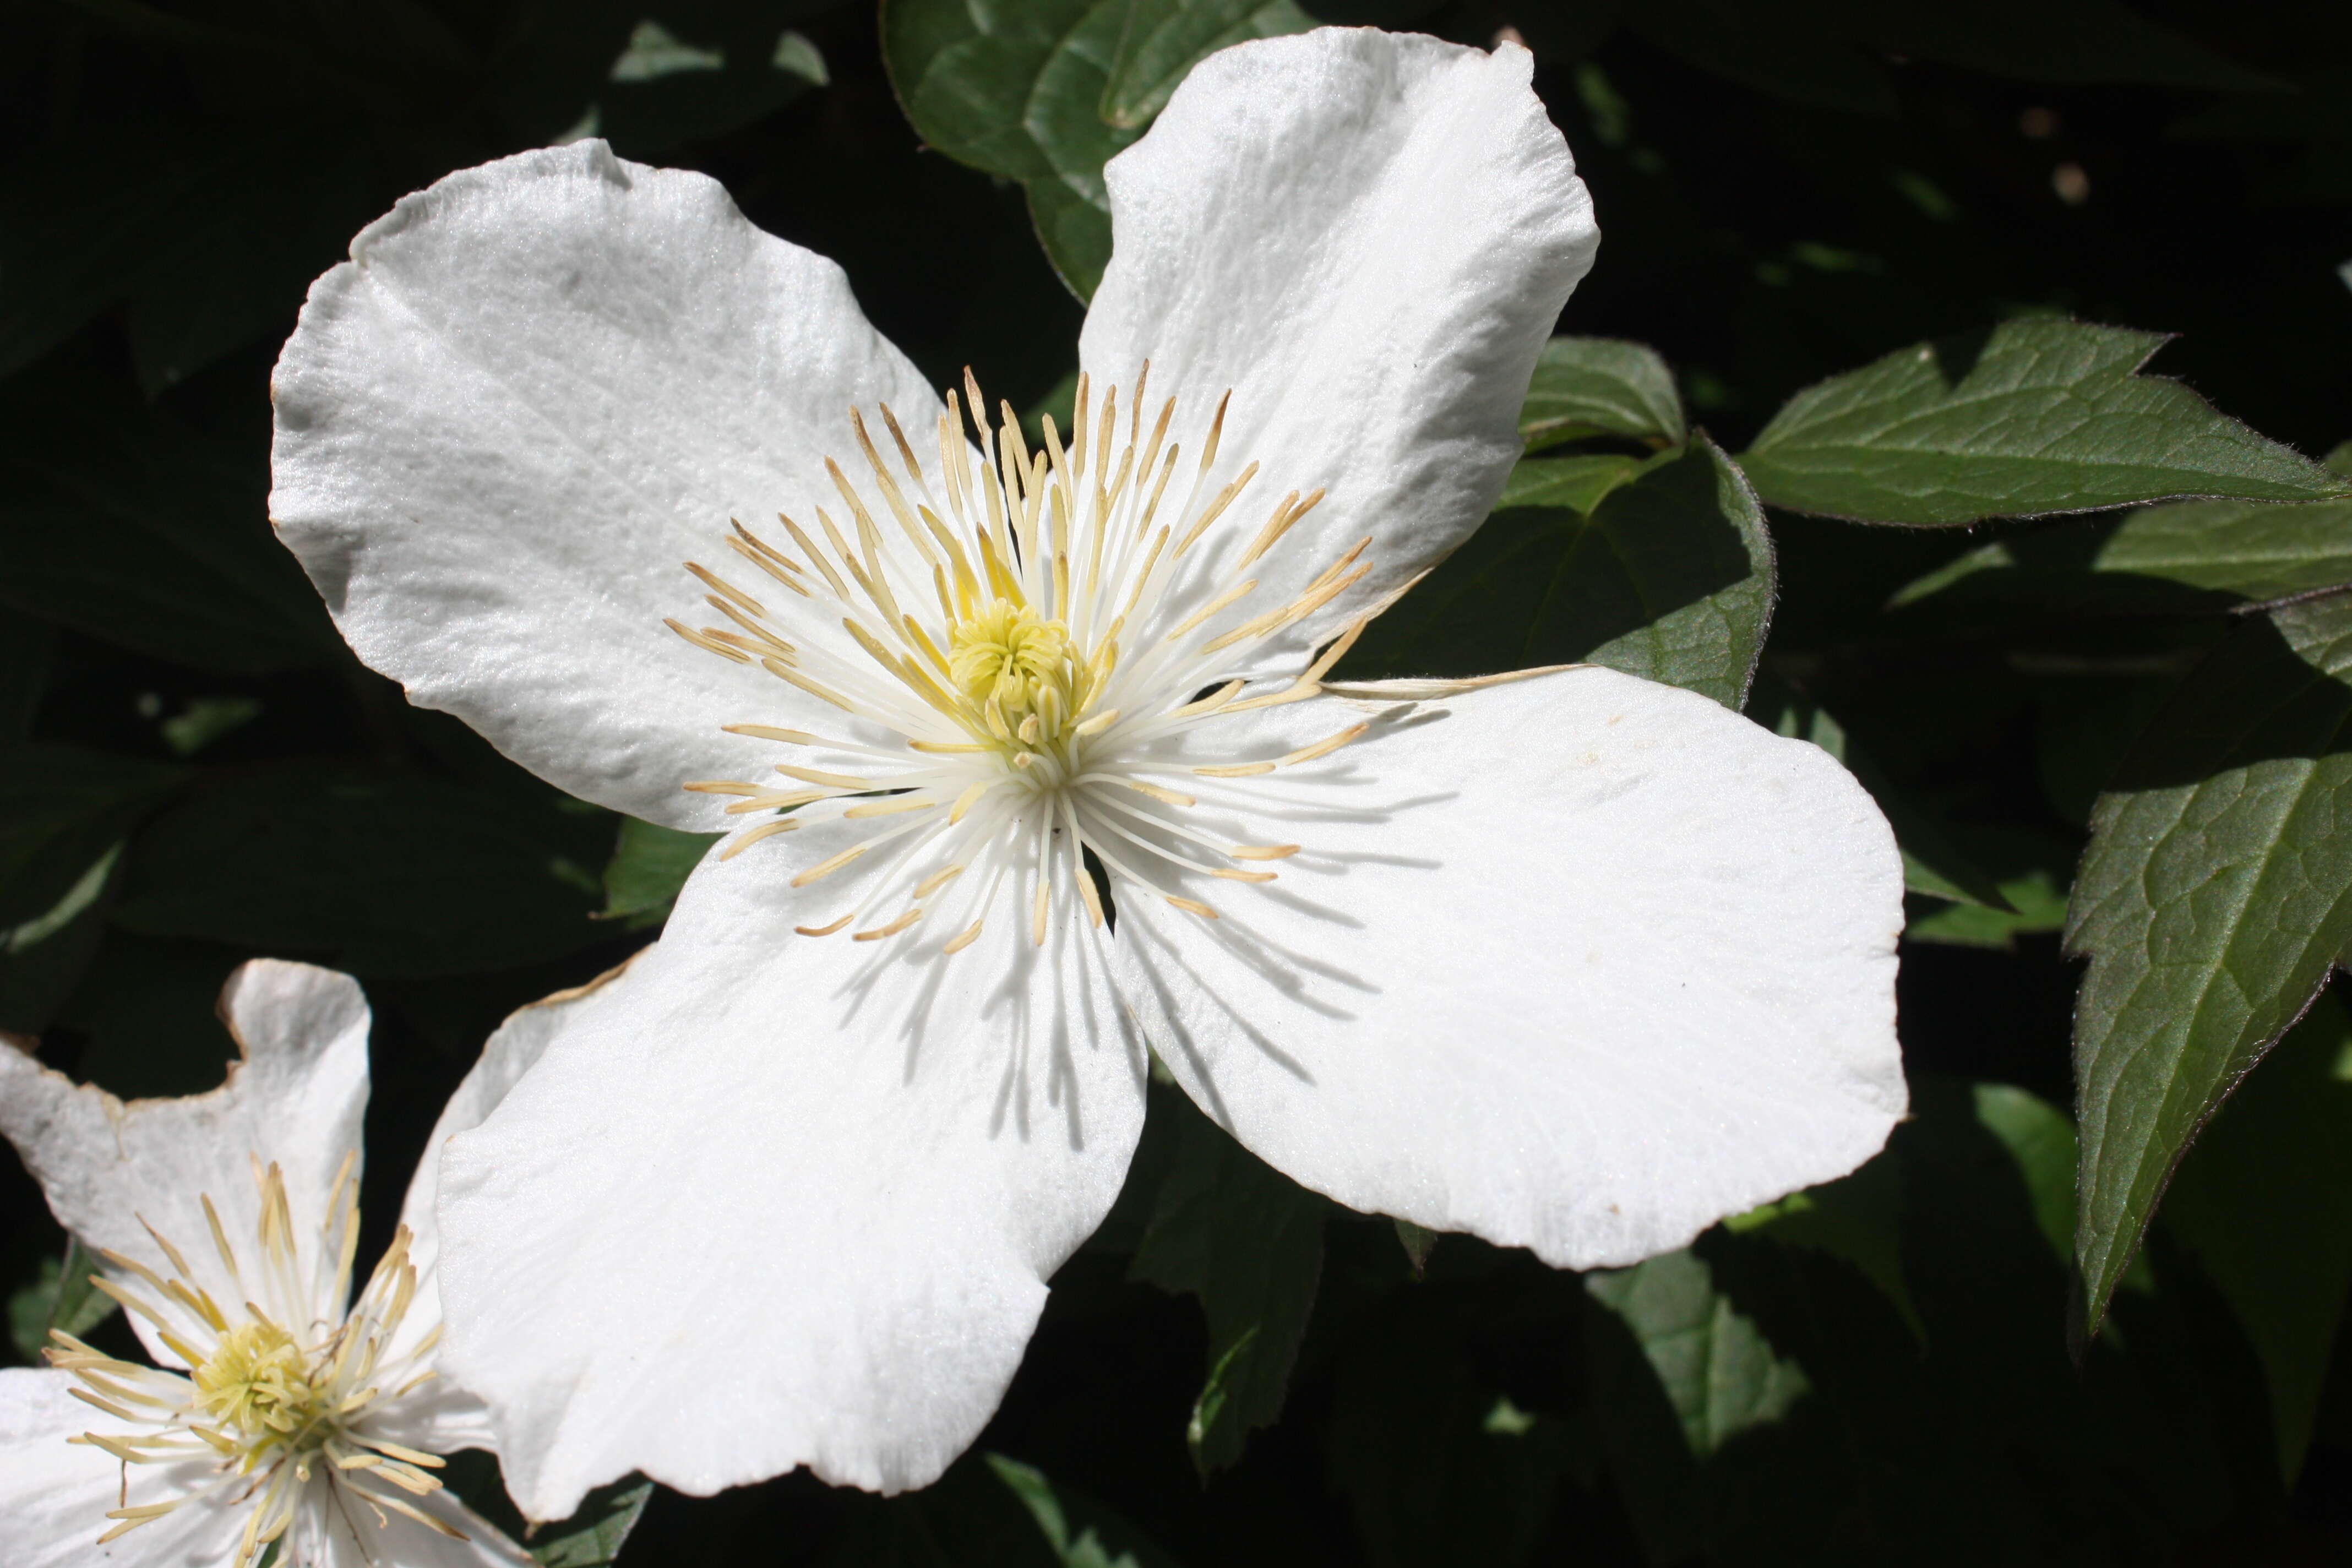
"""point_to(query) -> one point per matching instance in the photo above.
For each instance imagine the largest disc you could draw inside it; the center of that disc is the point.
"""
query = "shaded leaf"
(1670, 577)
(1080, 1533)
(1047, 93)
(1601, 386)
(2031, 871)
(2216, 894)
(117, 521)
(377, 875)
(1717, 1370)
(1858, 1218)
(61, 1298)
(592, 1536)
(1576, 483)
(2264, 1200)
(43, 959)
(664, 90)
(2179, 558)
(1248, 1241)
(2036, 417)
(61, 808)
(1933, 865)
(650, 863)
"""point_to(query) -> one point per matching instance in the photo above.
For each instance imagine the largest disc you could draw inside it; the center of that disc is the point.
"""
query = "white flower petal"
(441, 1418)
(294, 1100)
(1579, 963)
(1367, 237)
(348, 1536)
(772, 1200)
(53, 1495)
(537, 389)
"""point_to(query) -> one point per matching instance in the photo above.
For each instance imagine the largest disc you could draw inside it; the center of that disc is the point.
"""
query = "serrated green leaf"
(2264, 1200)
(1048, 91)
(2036, 417)
(1858, 1218)
(377, 875)
(1718, 1372)
(650, 863)
(1248, 1241)
(592, 1536)
(2215, 896)
(2184, 557)
(1669, 578)
(60, 1298)
(1601, 386)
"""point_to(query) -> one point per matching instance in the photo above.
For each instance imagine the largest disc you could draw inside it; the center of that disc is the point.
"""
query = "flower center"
(258, 1382)
(1007, 657)
(1029, 638)
(263, 1422)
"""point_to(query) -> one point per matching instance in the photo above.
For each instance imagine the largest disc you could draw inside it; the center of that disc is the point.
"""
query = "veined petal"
(771, 1200)
(536, 389)
(1367, 237)
(294, 1100)
(53, 1495)
(1579, 963)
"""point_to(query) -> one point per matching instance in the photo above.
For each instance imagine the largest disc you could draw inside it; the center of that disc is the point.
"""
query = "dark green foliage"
(1852, 253)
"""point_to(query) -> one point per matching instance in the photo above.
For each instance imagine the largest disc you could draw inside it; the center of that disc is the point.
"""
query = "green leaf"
(62, 808)
(650, 863)
(1575, 483)
(377, 875)
(1048, 91)
(2036, 417)
(1163, 40)
(42, 960)
(1858, 1218)
(61, 1298)
(2030, 873)
(2215, 896)
(1080, 1533)
(2184, 557)
(664, 90)
(1670, 577)
(1248, 1241)
(1601, 386)
(1718, 1372)
(2039, 1138)
(118, 523)
(2264, 1200)
(592, 1537)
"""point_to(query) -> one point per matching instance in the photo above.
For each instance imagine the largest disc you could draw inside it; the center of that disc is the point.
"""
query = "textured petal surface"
(441, 1418)
(295, 1100)
(1367, 238)
(350, 1537)
(53, 1495)
(1579, 963)
(771, 1200)
(536, 389)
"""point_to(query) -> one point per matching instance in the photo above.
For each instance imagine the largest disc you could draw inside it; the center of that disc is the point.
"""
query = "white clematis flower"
(282, 1407)
(1572, 962)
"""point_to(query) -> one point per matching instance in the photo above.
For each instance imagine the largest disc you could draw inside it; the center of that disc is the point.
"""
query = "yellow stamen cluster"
(283, 1384)
(1036, 626)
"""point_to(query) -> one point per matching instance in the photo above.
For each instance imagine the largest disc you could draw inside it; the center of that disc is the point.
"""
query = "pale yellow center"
(1007, 655)
(258, 1382)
